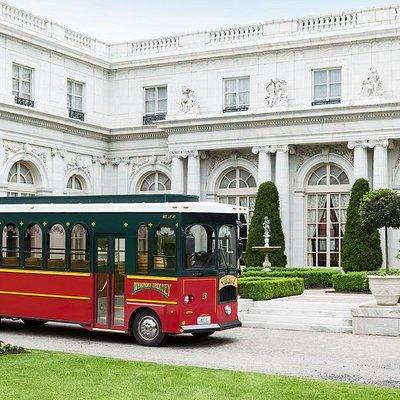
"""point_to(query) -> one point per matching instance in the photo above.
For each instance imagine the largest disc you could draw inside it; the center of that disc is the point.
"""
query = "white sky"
(123, 20)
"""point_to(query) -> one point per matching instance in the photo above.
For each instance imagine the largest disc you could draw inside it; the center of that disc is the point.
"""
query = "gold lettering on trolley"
(163, 288)
(228, 280)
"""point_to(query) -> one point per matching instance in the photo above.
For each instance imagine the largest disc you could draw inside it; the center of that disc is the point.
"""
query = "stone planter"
(386, 289)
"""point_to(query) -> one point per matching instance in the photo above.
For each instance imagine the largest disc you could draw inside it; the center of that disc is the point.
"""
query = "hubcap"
(148, 328)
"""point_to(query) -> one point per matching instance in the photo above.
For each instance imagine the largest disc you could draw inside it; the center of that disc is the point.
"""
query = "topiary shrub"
(259, 288)
(267, 204)
(351, 282)
(381, 209)
(360, 242)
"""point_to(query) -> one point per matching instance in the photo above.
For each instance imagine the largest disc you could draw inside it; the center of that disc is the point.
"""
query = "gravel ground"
(331, 356)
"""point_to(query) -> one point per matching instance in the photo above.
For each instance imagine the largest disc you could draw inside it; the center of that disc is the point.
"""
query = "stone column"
(282, 181)
(360, 158)
(193, 172)
(381, 169)
(177, 173)
(122, 174)
(98, 165)
(58, 167)
(264, 163)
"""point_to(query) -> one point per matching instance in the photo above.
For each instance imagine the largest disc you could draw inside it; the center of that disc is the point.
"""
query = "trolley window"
(227, 246)
(56, 248)
(143, 249)
(33, 247)
(164, 248)
(200, 247)
(80, 255)
(10, 246)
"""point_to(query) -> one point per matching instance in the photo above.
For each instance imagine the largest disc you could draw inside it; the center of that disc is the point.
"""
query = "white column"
(98, 163)
(264, 163)
(193, 172)
(122, 174)
(381, 169)
(360, 158)
(178, 173)
(282, 182)
(58, 167)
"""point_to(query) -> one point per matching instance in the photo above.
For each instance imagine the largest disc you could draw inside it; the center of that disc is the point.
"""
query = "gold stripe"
(25, 271)
(55, 296)
(149, 277)
(152, 301)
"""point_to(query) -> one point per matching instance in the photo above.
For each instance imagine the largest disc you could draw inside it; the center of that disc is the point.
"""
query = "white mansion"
(311, 104)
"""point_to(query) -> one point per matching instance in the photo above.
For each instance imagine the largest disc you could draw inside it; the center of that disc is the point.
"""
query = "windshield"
(227, 247)
(200, 247)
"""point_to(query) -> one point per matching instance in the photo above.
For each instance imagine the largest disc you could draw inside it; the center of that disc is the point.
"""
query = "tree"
(381, 209)
(267, 204)
(361, 246)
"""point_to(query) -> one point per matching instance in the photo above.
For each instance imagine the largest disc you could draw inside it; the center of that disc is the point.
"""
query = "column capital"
(56, 151)
(357, 144)
(284, 148)
(196, 153)
(102, 160)
(178, 154)
(385, 143)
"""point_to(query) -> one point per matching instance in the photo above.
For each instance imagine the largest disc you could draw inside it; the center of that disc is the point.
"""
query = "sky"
(123, 20)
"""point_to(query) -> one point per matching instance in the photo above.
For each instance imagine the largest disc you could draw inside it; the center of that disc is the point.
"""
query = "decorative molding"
(276, 93)
(234, 156)
(372, 86)
(23, 149)
(58, 152)
(77, 162)
(188, 103)
(102, 160)
(386, 143)
(138, 162)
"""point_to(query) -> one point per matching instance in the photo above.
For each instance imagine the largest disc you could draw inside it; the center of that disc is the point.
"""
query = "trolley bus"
(146, 265)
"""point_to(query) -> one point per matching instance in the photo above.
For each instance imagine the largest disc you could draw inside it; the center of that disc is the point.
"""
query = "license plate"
(204, 320)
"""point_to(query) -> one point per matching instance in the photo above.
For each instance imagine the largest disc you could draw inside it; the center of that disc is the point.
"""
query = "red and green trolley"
(145, 265)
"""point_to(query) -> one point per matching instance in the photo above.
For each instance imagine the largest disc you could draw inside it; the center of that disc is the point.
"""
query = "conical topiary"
(361, 245)
(267, 204)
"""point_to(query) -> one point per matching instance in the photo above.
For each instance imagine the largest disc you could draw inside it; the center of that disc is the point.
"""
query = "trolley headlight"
(188, 298)
(228, 310)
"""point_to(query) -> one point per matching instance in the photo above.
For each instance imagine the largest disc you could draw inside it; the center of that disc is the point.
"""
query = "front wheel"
(202, 334)
(147, 329)
(33, 322)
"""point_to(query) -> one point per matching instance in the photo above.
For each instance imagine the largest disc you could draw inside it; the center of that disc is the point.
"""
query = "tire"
(33, 322)
(147, 329)
(202, 334)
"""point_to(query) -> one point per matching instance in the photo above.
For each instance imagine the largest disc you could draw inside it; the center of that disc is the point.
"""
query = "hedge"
(357, 281)
(312, 277)
(266, 289)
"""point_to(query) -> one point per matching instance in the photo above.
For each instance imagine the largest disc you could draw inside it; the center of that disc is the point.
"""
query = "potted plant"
(381, 209)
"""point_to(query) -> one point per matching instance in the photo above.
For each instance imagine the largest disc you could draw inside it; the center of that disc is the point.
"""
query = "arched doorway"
(327, 198)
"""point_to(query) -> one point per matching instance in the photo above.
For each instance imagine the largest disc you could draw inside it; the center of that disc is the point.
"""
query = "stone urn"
(386, 289)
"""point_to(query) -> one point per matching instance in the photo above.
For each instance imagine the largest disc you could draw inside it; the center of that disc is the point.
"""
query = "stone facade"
(312, 104)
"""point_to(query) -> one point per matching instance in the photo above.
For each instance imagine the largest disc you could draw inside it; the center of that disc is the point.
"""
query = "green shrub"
(351, 282)
(360, 242)
(9, 349)
(312, 277)
(267, 204)
(258, 288)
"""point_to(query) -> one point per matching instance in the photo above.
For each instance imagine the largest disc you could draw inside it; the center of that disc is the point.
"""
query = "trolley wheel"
(202, 334)
(147, 329)
(33, 322)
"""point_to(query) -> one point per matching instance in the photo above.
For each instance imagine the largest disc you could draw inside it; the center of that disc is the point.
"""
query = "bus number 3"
(204, 296)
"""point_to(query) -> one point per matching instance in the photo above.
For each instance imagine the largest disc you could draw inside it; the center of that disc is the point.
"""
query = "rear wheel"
(202, 334)
(33, 322)
(147, 329)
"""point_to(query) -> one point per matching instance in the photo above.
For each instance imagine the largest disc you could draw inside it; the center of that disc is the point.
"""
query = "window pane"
(78, 89)
(26, 87)
(164, 248)
(150, 93)
(10, 246)
(150, 107)
(320, 77)
(162, 92)
(78, 103)
(320, 92)
(244, 84)
(335, 75)
(230, 100)
(15, 84)
(335, 90)
(244, 99)
(162, 106)
(26, 74)
(230, 85)
(16, 70)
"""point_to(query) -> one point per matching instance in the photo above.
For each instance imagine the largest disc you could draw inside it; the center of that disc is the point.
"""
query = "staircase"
(314, 310)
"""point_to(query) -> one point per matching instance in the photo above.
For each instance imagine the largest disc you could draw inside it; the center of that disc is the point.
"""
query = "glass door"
(110, 282)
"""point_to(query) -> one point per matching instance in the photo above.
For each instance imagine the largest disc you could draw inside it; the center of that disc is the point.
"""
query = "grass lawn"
(47, 375)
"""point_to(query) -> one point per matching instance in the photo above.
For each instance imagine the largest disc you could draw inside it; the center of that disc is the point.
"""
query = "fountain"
(266, 249)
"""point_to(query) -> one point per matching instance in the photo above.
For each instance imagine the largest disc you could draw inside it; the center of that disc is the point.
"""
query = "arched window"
(75, 184)
(33, 247)
(56, 247)
(164, 248)
(80, 255)
(142, 249)
(155, 182)
(327, 198)
(10, 246)
(20, 181)
(238, 186)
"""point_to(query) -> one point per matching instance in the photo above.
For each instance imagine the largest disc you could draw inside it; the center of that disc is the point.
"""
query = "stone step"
(298, 327)
(302, 305)
(326, 298)
(315, 320)
(306, 312)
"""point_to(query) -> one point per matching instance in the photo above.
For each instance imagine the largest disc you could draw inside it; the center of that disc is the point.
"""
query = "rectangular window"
(237, 94)
(155, 104)
(327, 86)
(22, 81)
(75, 100)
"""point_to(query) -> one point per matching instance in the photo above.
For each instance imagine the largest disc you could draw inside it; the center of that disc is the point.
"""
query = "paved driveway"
(344, 357)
